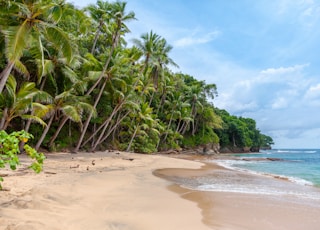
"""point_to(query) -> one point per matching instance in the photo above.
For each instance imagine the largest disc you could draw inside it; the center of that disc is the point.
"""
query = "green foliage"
(9, 150)
(63, 65)
(205, 136)
(240, 132)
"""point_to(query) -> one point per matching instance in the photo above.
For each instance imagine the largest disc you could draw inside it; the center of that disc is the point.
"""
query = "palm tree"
(19, 102)
(70, 106)
(155, 50)
(100, 13)
(147, 44)
(32, 24)
(119, 28)
(143, 121)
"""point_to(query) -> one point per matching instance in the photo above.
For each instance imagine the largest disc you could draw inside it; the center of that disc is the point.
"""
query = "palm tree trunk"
(45, 131)
(114, 44)
(132, 138)
(113, 47)
(178, 126)
(3, 119)
(113, 128)
(115, 110)
(166, 135)
(86, 124)
(55, 135)
(95, 41)
(5, 75)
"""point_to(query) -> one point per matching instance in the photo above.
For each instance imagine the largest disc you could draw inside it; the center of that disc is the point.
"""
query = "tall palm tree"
(119, 17)
(32, 23)
(100, 13)
(156, 58)
(147, 43)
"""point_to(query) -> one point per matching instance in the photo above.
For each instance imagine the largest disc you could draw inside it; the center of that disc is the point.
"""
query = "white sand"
(111, 191)
(117, 192)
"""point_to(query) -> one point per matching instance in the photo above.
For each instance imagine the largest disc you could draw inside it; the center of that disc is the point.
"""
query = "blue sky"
(263, 55)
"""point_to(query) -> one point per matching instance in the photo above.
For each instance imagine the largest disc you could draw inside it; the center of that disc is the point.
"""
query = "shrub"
(9, 150)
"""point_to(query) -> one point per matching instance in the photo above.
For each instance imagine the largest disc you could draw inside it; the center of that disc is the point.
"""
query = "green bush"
(9, 150)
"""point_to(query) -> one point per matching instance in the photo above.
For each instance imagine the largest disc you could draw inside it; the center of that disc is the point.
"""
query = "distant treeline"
(68, 77)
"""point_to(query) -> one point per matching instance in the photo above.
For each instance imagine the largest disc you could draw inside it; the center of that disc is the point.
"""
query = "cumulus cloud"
(195, 39)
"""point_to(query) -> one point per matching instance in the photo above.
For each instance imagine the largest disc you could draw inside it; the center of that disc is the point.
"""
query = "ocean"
(290, 173)
(301, 166)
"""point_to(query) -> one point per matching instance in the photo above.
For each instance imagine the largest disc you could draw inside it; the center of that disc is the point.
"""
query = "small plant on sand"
(9, 150)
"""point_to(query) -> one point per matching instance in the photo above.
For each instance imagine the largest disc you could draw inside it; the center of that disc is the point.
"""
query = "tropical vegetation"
(69, 77)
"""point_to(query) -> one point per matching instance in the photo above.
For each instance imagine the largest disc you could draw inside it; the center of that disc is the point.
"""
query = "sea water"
(290, 173)
(298, 165)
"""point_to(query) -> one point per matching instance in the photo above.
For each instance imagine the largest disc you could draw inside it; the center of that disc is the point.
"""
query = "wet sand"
(237, 211)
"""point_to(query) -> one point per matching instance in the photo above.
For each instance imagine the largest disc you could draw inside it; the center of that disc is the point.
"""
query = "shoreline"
(240, 210)
(126, 191)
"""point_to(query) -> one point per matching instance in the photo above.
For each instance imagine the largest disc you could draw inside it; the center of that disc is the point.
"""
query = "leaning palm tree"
(71, 106)
(31, 24)
(143, 120)
(23, 102)
(118, 18)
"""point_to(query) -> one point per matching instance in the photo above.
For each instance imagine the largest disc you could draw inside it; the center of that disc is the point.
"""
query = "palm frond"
(60, 40)
(71, 112)
(40, 110)
(16, 41)
(33, 118)
(21, 68)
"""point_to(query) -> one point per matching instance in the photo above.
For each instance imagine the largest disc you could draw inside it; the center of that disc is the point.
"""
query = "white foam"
(257, 190)
(229, 164)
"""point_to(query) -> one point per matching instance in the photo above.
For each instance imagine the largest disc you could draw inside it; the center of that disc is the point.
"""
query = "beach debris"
(50, 173)
(128, 159)
(93, 162)
(74, 167)
(87, 168)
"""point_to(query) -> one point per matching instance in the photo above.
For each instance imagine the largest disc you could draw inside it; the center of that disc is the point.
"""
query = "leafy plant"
(9, 150)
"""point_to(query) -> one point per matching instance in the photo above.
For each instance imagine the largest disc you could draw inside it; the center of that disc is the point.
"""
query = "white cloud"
(313, 92)
(284, 70)
(195, 39)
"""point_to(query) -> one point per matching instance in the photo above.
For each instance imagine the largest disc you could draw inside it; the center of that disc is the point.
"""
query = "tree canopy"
(68, 77)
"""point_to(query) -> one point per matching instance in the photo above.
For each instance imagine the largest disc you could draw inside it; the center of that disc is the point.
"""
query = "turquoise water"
(291, 174)
(299, 165)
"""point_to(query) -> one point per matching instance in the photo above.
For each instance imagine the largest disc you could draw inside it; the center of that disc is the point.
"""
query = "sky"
(264, 57)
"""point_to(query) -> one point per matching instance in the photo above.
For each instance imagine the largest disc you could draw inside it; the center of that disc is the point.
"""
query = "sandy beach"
(117, 190)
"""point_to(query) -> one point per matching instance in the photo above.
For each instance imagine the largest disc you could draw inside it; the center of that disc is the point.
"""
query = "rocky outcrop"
(210, 149)
(230, 149)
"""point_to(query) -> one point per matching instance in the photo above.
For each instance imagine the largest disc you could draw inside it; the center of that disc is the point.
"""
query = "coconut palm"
(20, 102)
(143, 121)
(100, 13)
(32, 24)
(118, 28)
(69, 105)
